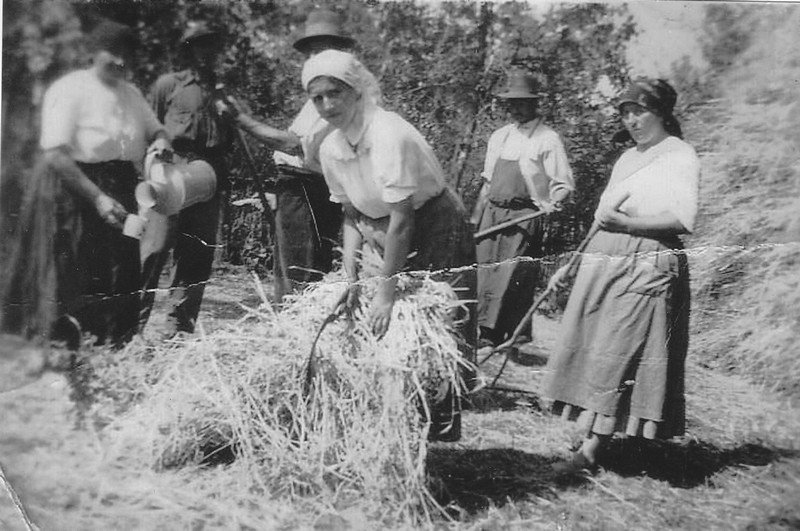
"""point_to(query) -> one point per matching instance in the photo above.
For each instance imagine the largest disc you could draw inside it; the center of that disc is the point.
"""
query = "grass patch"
(747, 243)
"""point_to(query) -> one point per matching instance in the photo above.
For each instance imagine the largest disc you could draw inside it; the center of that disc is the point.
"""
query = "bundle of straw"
(240, 391)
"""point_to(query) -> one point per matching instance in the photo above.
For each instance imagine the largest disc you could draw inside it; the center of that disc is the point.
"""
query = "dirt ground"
(737, 468)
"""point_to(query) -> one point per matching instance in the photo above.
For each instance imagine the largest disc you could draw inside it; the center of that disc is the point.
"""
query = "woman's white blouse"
(391, 161)
(663, 178)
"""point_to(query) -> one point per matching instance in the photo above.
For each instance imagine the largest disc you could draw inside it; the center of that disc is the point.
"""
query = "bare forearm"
(659, 225)
(352, 242)
(398, 243)
(275, 138)
(655, 226)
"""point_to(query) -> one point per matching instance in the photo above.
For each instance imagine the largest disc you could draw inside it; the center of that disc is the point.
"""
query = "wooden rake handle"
(510, 223)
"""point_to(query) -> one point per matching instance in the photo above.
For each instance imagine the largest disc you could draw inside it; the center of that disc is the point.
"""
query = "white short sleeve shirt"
(95, 121)
(390, 163)
(663, 178)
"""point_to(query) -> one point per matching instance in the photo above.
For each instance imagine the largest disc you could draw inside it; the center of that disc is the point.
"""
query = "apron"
(500, 309)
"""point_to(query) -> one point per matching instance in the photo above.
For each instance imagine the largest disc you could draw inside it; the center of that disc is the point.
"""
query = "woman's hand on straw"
(350, 301)
(382, 304)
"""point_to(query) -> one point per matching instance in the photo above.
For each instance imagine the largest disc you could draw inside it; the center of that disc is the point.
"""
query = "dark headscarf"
(658, 97)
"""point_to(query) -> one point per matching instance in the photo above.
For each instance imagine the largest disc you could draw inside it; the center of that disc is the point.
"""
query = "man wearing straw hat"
(75, 264)
(184, 101)
(526, 171)
(307, 223)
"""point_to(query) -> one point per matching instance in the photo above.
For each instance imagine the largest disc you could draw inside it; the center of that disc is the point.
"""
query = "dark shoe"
(577, 464)
(449, 432)
(528, 356)
(66, 329)
(485, 342)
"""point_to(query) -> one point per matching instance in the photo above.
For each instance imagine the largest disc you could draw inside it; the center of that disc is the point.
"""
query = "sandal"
(577, 464)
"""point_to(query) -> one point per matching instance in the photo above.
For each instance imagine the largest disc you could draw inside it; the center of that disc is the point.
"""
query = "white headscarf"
(344, 67)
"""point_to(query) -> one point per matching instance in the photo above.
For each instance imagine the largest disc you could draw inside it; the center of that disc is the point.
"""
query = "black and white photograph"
(399, 264)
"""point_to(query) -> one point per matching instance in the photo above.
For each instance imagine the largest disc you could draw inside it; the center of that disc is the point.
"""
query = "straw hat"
(323, 23)
(521, 85)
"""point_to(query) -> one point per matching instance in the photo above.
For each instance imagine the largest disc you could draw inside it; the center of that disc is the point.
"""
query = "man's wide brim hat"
(521, 85)
(198, 30)
(323, 24)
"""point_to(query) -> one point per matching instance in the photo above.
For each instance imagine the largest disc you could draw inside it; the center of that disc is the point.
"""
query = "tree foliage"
(438, 64)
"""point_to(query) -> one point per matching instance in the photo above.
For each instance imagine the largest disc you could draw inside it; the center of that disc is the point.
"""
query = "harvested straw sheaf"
(357, 435)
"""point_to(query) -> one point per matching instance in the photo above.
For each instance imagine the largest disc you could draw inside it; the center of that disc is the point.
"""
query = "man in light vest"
(526, 170)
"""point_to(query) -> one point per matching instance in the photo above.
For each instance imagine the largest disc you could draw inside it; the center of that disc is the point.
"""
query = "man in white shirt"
(526, 170)
(307, 223)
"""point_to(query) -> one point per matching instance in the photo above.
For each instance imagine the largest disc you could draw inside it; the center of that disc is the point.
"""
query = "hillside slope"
(746, 248)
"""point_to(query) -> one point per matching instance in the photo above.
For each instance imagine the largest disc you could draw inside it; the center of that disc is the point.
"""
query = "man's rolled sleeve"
(557, 167)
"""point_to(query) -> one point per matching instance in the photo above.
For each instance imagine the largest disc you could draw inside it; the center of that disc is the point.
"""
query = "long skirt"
(68, 261)
(620, 365)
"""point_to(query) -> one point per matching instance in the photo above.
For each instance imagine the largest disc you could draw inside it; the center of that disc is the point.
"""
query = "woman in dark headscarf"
(620, 365)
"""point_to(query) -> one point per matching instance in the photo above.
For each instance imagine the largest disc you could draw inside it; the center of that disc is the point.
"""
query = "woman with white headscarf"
(394, 196)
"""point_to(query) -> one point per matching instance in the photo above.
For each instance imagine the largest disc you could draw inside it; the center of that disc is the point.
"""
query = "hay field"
(746, 248)
(739, 464)
(103, 466)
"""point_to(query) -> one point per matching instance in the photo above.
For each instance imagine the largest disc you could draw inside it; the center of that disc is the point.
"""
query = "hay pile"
(747, 241)
(237, 395)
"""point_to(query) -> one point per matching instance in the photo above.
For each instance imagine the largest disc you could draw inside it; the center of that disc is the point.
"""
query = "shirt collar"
(529, 126)
(189, 76)
(339, 147)
(355, 136)
(348, 144)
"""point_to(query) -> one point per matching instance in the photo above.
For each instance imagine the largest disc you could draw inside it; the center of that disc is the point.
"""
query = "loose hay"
(358, 437)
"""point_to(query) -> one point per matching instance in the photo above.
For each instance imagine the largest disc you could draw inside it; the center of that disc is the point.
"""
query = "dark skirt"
(68, 261)
(443, 247)
(620, 365)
